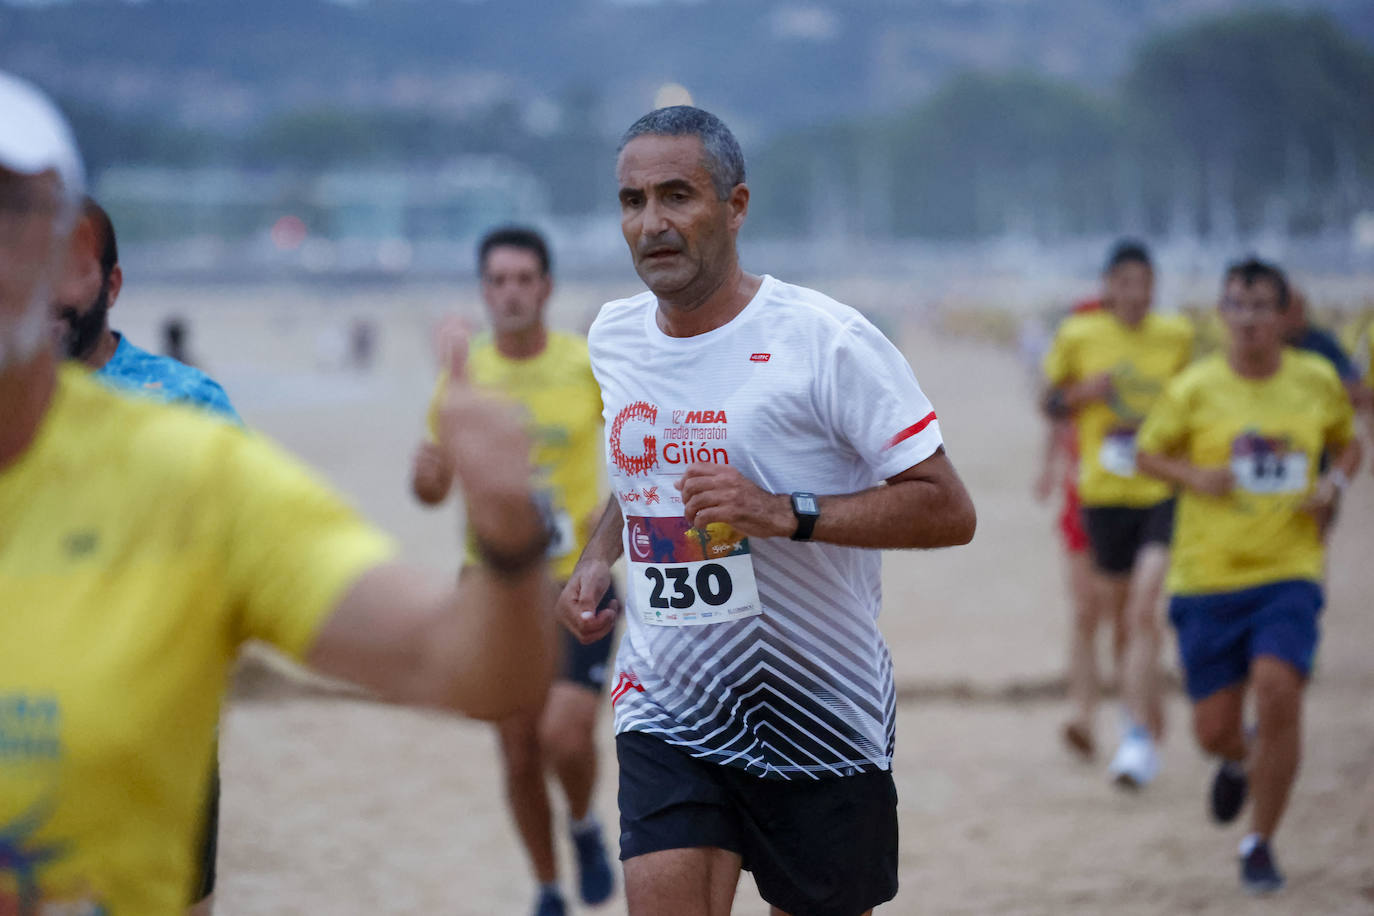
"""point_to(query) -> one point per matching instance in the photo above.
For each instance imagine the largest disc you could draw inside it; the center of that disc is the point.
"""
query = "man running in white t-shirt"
(758, 433)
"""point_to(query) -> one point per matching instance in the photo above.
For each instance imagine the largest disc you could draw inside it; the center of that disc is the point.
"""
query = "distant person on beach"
(549, 375)
(83, 325)
(176, 343)
(1299, 331)
(1241, 434)
(1104, 370)
(1059, 472)
(362, 344)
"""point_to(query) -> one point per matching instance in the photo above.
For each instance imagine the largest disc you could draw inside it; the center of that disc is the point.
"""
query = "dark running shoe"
(1228, 791)
(1258, 873)
(550, 903)
(595, 879)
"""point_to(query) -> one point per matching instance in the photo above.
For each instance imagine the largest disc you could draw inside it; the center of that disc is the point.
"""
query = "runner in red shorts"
(1060, 471)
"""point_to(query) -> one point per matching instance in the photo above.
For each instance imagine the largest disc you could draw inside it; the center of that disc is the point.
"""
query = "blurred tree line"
(1261, 121)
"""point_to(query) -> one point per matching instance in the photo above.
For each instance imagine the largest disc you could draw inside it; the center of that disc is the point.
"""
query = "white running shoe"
(1136, 762)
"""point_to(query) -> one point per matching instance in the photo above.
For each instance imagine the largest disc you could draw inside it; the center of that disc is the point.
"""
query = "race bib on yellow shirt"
(1117, 455)
(685, 577)
(1267, 466)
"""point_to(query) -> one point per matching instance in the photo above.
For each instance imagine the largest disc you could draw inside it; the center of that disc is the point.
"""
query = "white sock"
(549, 888)
(1248, 843)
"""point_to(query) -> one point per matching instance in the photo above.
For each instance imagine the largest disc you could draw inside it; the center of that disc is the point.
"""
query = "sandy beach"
(336, 804)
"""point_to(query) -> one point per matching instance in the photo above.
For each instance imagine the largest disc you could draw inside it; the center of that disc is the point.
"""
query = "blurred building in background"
(323, 138)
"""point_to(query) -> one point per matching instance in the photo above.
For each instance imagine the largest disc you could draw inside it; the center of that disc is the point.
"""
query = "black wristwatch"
(807, 509)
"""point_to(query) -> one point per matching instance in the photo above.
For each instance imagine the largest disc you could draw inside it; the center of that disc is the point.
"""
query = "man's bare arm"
(1061, 401)
(484, 649)
(577, 604)
(1327, 490)
(1054, 459)
(1216, 482)
(925, 506)
(605, 542)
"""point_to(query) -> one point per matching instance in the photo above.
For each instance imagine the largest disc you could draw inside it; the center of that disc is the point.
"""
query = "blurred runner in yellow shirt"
(549, 374)
(1242, 434)
(141, 544)
(1106, 369)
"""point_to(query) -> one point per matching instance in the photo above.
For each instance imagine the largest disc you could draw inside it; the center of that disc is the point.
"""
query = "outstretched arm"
(485, 648)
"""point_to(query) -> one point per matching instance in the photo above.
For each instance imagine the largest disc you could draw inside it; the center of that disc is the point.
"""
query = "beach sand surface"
(337, 804)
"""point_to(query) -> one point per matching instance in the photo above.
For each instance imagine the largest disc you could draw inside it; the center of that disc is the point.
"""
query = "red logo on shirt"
(705, 416)
(911, 431)
(647, 459)
(760, 357)
(624, 684)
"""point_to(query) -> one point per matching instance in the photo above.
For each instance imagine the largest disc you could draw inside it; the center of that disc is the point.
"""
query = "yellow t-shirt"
(563, 401)
(140, 544)
(1141, 361)
(1271, 432)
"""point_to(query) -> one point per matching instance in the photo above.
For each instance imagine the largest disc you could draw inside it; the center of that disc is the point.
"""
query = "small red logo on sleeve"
(760, 357)
(910, 431)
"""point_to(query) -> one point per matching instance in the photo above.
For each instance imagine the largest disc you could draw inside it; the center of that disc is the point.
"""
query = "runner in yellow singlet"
(1243, 434)
(1106, 369)
(548, 373)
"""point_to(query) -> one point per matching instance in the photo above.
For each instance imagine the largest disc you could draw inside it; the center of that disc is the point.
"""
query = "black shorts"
(1117, 533)
(587, 666)
(816, 847)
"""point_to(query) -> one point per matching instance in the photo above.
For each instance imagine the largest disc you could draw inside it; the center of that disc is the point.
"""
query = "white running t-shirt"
(762, 654)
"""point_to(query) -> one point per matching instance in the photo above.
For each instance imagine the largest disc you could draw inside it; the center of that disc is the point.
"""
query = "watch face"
(807, 505)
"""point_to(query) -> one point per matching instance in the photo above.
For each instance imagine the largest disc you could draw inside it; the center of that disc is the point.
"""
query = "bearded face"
(79, 330)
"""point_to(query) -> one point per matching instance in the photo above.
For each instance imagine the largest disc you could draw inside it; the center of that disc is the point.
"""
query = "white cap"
(34, 137)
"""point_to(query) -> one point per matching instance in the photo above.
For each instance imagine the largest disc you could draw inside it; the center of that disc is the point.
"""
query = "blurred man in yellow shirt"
(1105, 369)
(1242, 435)
(549, 375)
(141, 544)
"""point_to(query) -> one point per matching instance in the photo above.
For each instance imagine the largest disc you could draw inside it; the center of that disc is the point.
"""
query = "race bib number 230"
(681, 577)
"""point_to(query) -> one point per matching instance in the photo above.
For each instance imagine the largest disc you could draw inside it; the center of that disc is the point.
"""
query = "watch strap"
(807, 510)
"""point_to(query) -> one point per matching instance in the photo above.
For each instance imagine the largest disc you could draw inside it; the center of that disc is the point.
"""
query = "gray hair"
(724, 159)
